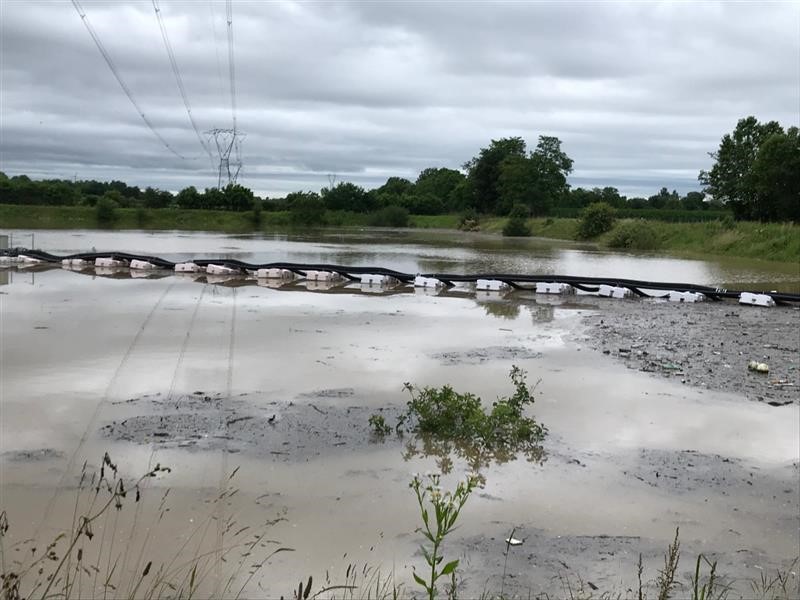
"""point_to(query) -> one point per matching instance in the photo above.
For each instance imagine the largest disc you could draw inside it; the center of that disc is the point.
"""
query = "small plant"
(451, 415)
(597, 218)
(379, 425)
(517, 224)
(437, 525)
(666, 577)
(709, 590)
(447, 421)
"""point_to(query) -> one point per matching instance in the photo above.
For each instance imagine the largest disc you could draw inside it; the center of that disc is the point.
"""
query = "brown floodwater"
(81, 353)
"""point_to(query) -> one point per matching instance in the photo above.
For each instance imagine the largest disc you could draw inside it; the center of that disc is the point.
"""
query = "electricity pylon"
(228, 143)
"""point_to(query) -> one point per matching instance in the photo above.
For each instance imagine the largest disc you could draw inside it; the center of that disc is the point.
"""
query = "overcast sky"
(639, 93)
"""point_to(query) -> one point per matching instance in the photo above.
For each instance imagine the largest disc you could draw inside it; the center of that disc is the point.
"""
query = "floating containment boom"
(320, 277)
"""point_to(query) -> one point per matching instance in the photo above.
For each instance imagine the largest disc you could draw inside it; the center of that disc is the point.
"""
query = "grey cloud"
(639, 93)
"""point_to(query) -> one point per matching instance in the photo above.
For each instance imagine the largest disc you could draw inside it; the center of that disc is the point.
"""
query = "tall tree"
(538, 181)
(484, 171)
(347, 196)
(440, 183)
(775, 176)
(730, 178)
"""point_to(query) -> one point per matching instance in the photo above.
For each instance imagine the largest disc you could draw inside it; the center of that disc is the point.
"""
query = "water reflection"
(478, 457)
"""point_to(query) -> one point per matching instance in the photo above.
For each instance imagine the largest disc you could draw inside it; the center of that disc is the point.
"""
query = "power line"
(216, 47)
(174, 64)
(231, 66)
(117, 75)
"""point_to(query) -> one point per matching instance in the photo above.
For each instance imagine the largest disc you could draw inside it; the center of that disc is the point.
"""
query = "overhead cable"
(179, 80)
(231, 64)
(118, 77)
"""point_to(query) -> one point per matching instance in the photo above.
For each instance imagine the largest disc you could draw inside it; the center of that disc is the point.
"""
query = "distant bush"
(634, 235)
(390, 216)
(105, 211)
(517, 224)
(597, 218)
(307, 209)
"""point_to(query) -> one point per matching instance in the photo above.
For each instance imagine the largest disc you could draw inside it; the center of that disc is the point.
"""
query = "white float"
(188, 267)
(109, 263)
(554, 288)
(610, 291)
(142, 265)
(284, 274)
(427, 282)
(29, 260)
(686, 297)
(328, 276)
(756, 299)
(377, 280)
(220, 270)
(491, 285)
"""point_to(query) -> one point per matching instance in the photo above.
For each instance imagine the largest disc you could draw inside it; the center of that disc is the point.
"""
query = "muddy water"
(207, 379)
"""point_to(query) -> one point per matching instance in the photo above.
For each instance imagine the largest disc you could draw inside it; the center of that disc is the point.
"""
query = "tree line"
(756, 175)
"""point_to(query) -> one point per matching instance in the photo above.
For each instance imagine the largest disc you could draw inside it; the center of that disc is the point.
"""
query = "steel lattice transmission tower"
(228, 143)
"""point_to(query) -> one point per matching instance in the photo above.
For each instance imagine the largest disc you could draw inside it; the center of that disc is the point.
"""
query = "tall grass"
(108, 549)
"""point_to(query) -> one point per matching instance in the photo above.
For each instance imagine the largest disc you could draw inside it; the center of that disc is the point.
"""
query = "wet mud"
(283, 430)
(706, 345)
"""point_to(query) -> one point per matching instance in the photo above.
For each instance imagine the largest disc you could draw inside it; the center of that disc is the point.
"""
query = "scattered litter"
(513, 541)
(758, 367)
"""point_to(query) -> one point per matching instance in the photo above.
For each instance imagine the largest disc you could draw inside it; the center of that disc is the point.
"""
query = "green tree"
(189, 198)
(775, 177)
(664, 199)
(730, 179)
(347, 196)
(519, 184)
(396, 186)
(213, 199)
(538, 181)
(238, 198)
(441, 183)
(553, 166)
(484, 171)
(693, 201)
(154, 198)
(306, 208)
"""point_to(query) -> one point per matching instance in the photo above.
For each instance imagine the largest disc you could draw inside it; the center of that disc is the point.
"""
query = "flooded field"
(651, 425)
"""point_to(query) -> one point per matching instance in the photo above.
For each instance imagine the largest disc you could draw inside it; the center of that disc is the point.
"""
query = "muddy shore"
(707, 345)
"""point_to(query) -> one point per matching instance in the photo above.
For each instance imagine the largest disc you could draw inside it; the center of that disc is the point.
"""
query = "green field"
(767, 241)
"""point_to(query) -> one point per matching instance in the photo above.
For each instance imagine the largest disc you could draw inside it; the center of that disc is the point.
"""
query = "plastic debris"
(512, 541)
(758, 367)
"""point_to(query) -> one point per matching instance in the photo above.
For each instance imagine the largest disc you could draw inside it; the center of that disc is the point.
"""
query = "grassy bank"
(767, 241)
(779, 242)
